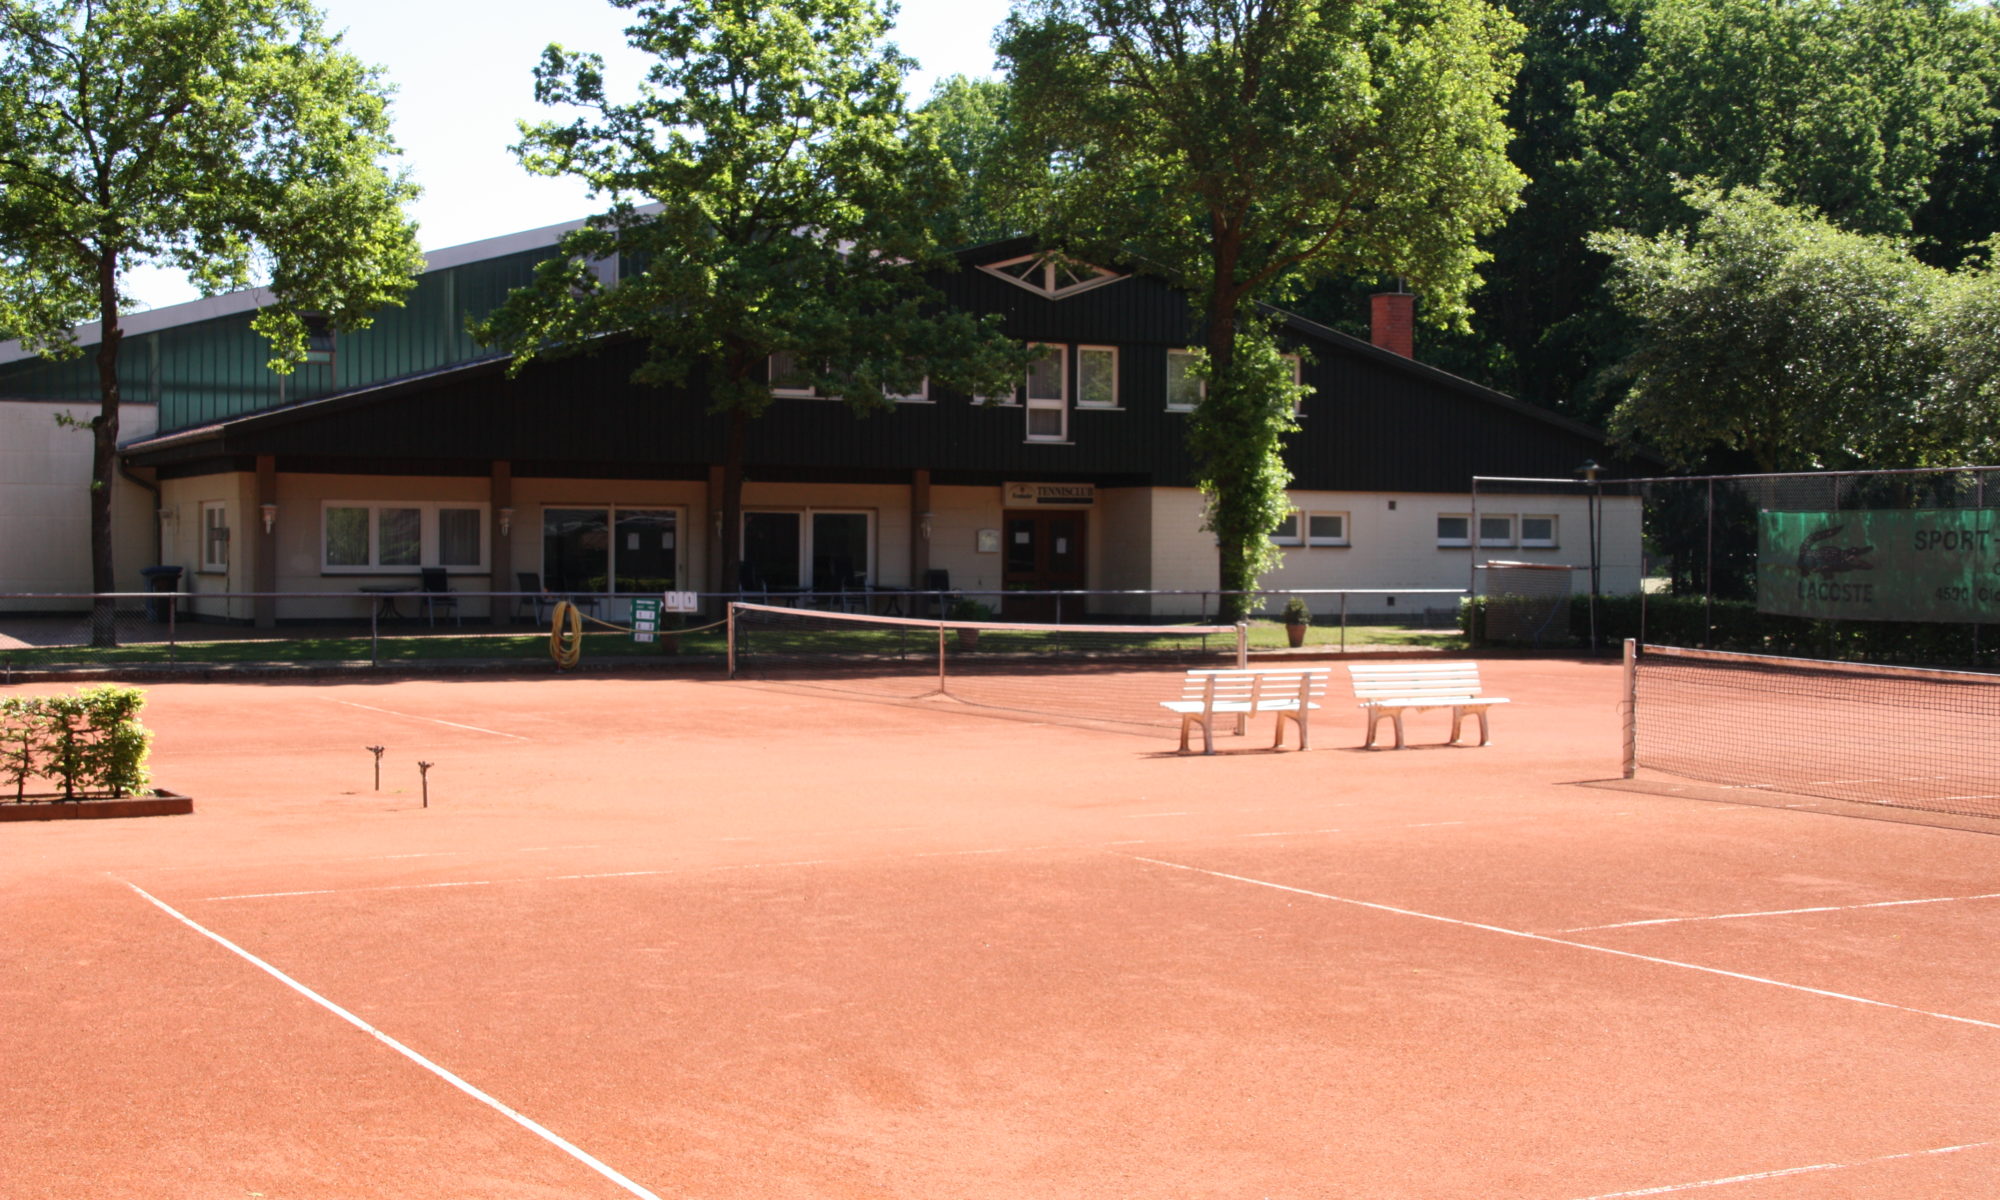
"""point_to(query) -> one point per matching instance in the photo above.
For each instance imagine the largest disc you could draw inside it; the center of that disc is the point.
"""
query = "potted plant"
(1297, 618)
(965, 609)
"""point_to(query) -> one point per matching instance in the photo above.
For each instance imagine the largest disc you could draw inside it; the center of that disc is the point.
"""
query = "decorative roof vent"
(1051, 275)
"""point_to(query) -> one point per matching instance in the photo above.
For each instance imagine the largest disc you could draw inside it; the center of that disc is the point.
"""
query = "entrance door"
(1044, 553)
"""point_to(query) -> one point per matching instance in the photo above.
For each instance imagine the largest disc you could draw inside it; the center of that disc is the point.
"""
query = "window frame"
(1083, 349)
(1548, 543)
(1344, 538)
(1453, 543)
(1497, 543)
(1201, 385)
(808, 392)
(215, 566)
(1297, 537)
(1058, 404)
(921, 396)
(429, 538)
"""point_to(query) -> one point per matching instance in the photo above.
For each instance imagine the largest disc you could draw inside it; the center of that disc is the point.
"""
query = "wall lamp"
(506, 521)
(924, 526)
(270, 516)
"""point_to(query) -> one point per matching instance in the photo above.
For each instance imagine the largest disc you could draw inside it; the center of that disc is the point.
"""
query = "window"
(1538, 532)
(1097, 377)
(214, 535)
(1326, 529)
(820, 550)
(787, 379)
(357, 537)
(921, 396)
(1184, 391)
(1496, 531)
(1298, 376)
(1050, 275)
(1047, 394)
(1287, 532)
(1454, 531)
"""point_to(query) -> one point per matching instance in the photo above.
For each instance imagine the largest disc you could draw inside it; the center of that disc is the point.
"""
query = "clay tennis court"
(667, 937)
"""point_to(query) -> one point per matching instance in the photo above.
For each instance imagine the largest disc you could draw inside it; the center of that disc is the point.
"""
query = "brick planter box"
(161, 803)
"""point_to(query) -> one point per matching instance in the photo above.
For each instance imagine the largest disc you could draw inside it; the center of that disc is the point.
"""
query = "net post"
(731, 619)
(1631, 707)
(941, 690)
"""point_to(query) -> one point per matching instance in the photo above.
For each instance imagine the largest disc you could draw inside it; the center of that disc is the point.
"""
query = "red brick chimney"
(1392, 318)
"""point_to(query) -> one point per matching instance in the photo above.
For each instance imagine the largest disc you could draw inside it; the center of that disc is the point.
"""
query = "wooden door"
(1044, 552)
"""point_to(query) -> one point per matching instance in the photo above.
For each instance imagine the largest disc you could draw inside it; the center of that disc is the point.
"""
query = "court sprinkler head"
(424, 769)
(378, 764)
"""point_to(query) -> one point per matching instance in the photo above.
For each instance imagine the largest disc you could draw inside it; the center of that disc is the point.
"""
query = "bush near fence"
(89, 744)
(1737, 625)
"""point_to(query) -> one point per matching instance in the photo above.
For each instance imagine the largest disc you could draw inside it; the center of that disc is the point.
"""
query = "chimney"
(1392, 316)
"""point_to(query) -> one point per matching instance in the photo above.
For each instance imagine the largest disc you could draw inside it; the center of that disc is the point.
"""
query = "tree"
(232, 139)
(770, 196)
(1769, 331)
(967, 119)
(1249, 148)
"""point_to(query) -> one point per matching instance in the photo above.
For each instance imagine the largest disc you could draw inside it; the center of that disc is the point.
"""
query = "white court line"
(539, 1130)
(1556, 941)
(1780, 1174)
(1784, 912)
(433, 720)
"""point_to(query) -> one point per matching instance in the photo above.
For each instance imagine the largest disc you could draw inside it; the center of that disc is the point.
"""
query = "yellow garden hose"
(566, 635)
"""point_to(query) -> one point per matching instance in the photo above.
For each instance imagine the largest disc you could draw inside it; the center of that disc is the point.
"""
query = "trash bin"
(160, 579)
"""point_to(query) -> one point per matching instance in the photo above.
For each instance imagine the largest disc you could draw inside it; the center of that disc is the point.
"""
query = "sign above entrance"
(1049, 495)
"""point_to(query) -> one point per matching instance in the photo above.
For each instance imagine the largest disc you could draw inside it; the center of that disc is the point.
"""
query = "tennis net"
(1901, 736)
(1106, 673)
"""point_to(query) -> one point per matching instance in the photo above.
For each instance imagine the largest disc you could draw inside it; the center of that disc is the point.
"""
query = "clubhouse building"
(406, 447)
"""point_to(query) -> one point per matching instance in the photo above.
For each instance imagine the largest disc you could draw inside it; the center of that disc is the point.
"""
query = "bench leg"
(1457, 720)
(1374, 719)
(1397, 717)
(1297, 719)
(1481, 714)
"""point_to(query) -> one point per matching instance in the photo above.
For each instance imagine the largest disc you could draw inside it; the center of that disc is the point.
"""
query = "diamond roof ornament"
(1051, 275)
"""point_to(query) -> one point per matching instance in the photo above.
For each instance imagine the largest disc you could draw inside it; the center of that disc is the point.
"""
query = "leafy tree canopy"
(1769, 330)
(232, 139)
(1246, 149)
(967, 119)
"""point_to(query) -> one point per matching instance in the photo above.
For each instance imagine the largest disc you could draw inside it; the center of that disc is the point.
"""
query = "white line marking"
(1709, 1183)
(1556, 941)
(1784, 912)
(524, 1121)
(1145, 816)
(433, 720)
(1284, 833)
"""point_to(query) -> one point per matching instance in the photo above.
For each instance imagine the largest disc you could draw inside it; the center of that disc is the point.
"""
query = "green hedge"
(1737, 625)
(89, 743)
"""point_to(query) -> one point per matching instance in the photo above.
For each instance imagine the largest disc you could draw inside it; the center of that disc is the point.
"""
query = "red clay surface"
(740, 940)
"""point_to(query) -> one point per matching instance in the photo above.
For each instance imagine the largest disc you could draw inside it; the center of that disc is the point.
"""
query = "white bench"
(1392, 689)
(1286, 691)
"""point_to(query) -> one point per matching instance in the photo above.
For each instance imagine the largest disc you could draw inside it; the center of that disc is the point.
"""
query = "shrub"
(1296, 612)
(87, 742)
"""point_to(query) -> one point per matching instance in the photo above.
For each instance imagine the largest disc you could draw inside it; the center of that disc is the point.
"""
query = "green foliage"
(1767, 330)
(87, 742)
(967, 120)
(1248, 149)
(230, 139)
(965, 608)
(1296, 612)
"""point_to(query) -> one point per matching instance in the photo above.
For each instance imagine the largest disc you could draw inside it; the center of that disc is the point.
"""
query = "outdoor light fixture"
(924, 526)
(506, 521)
(1589, 471)
(270, 516)
(166, 515)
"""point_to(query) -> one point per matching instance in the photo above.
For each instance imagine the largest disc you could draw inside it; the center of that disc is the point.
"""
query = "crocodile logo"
(1829, 561)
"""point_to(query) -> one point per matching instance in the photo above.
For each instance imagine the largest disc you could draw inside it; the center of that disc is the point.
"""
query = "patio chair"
(538, 604)
(437, 593)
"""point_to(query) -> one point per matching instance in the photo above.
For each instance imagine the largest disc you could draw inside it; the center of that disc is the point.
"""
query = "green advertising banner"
(1939, 564)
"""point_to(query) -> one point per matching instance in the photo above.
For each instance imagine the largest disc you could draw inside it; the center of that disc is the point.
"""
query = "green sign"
(645, 620)
(1939, 564)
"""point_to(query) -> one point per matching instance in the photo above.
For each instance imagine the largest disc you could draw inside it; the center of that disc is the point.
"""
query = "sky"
(463, 70)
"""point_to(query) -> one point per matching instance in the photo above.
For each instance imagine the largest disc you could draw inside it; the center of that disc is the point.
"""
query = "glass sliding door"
(771, 545)
(576, 549)
(645, 551)
(839, 550)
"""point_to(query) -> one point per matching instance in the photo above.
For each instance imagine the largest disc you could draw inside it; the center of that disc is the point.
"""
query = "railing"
(168, 609)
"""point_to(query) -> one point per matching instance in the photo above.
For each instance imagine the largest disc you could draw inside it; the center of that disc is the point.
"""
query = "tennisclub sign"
(1881, 564)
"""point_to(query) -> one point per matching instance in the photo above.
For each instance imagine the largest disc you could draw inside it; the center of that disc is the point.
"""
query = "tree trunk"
(1234, 574)
(104, 458)
(732, 499)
